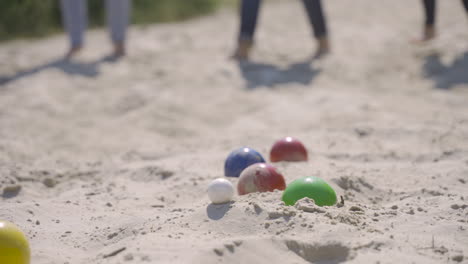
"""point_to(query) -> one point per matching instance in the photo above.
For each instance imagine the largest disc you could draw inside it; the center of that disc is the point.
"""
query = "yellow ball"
(14, 246)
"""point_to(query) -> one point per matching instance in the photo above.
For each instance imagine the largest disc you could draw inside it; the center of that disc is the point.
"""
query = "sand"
(108, 162)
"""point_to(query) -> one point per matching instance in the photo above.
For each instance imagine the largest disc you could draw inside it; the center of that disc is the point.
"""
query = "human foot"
(243, 50)
(72, 52)
(323, 47)
(429, 33)
(119, 50)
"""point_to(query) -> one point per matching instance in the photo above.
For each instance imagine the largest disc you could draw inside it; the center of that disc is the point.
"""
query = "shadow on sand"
(446, 77)
(261, 74)
(89, 69)
(217, 211)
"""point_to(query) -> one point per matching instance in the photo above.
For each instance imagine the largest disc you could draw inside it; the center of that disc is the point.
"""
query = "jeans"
(74, 14)
(249, 15)
(430, 9)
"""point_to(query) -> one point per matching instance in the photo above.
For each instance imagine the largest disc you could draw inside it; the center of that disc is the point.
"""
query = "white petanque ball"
(220, 191)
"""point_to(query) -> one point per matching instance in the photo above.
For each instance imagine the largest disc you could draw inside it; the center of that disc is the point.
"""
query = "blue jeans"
(249, 15)
(74, 14)
(430, 10)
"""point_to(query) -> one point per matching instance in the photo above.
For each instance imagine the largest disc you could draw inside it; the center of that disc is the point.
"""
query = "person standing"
(74, 15)
(249, 15)
(430, 9)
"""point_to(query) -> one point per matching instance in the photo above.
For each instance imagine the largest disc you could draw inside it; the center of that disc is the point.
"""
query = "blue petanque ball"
(240, 159)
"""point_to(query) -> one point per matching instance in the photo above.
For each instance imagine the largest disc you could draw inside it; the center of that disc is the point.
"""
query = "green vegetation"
(37, 18)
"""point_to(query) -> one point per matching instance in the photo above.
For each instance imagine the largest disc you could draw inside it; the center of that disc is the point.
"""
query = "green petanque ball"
(312, 187)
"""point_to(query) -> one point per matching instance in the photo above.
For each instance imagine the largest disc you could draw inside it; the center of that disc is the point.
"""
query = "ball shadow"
(217, 211)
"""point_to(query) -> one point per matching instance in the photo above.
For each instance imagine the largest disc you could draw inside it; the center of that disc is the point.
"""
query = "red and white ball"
(260, 177)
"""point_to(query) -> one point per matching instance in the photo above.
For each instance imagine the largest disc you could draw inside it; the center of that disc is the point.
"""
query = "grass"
(39, 18)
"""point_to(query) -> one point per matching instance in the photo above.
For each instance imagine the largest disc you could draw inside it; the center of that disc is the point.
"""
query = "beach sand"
(108, 162)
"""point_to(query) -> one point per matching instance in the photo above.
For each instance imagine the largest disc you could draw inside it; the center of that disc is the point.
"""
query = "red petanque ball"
(260, 177)
(288, 149)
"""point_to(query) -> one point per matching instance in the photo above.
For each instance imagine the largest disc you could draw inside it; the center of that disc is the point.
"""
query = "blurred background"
(33, 18)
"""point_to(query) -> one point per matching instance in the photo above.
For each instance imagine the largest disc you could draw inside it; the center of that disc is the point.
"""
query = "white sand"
(129, 148)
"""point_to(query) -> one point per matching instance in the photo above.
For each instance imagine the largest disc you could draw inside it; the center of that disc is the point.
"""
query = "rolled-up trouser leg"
(249, 15)
(429, 10)
(74, 16)
(118, 16)
(316, 17)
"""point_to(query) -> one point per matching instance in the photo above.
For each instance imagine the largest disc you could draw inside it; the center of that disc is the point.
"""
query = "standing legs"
(316, 17)
(318, 21)
(74, 15)
(430, 9)
(249, 10)
(249, 15)
(429, 24)
(117, 21)
(465, 3)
